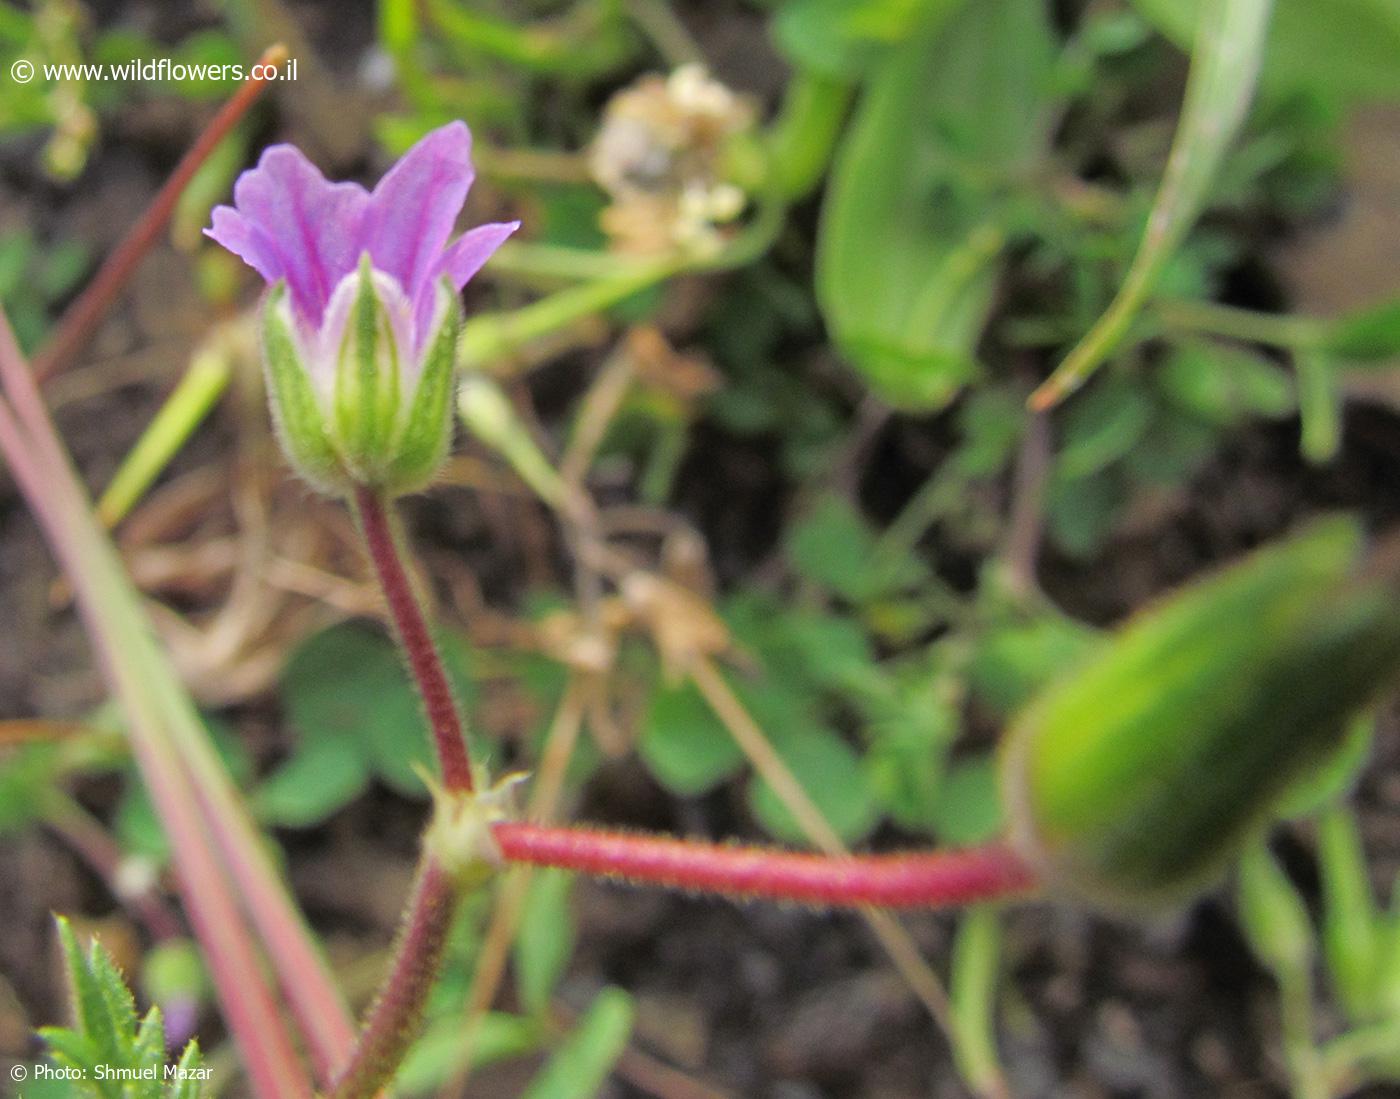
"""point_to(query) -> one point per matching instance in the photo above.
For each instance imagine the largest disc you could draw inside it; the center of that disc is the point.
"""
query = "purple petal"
(246, 241)
(413, 209)
(467, 253)
(291, 223)
(462, 259)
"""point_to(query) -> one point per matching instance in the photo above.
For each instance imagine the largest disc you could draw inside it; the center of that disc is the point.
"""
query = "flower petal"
(414, 207)
(246, 241)
(472, 249)
(295, 225)
(463, 259)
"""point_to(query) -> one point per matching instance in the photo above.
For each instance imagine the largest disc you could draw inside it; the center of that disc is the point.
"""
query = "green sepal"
(296, 410)
(426, 429)
(1134, 781)
(366, 403)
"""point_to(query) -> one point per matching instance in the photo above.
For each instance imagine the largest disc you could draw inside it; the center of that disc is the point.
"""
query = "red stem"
(393, 1022)
(924, 880)
(82, 317)
(420, 653)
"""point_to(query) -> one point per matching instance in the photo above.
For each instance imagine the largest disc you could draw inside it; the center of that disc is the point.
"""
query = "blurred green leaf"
(913, 226)
(1329, 781)
(545, 939)
(1101, 427)
(323, 776)
(581, 1065)
(1342, 49)
(27, 775)
(1352, 936)
(1366, 335)
(346, 691)
(909, 729)
(830, 772)
(969, 807)
(1082, 513)
(1273, 915)
(1013, 661)
(1223, 384)
(832, 546)
(843, 38)
(684, 745)
(437, 1056)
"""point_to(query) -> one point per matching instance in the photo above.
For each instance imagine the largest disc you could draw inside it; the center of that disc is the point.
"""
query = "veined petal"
(465, 256)
(291, 223)
(462, 259)
(412, 211)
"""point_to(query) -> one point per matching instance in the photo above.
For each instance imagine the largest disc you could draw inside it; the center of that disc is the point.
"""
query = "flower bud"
(1135, 780)
(362, 401)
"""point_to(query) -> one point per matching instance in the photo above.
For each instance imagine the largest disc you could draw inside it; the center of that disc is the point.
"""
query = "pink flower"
(359, 329)
(288, 222)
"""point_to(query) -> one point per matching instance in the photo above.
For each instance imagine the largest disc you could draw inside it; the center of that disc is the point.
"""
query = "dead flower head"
(660, 156)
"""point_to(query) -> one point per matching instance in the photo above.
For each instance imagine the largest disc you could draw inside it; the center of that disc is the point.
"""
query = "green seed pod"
(364, 401)
(1133, 782)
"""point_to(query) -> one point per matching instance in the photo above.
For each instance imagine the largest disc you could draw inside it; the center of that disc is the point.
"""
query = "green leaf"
(347, 687)
(1223, 384)
(107, 1034)
(90, 1008)
(323, 776)
(830, 772)
(1341, 49)
(1367, 335)
(832, 546)
(545, 939)
(1083, 512)
(1015, 660)
(1273, 915)
(579, 1067)
(684, 745)
(843, 38)
(914, 221)
(26, 778)
(190, 1071)
(969, 807)
(1101, 428)
(149, 1052)
(437, 1056)
(1224, 65)
(909, 732)
(1329, 781)
(1352, 936)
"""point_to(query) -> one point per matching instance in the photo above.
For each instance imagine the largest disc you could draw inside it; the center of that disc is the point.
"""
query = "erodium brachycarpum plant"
(1125, 788)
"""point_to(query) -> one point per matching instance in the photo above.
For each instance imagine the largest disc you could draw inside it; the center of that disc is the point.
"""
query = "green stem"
(1291, 333)
(490, 337)
(803, 136)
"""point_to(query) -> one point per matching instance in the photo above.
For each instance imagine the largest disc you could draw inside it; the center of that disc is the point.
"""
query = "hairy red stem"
(81, 318)
(923, 880)
(420, 653)
(393, 1021)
